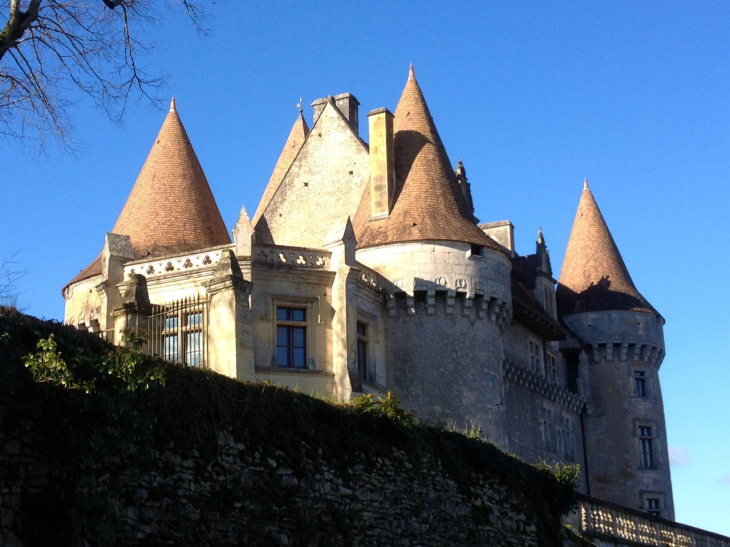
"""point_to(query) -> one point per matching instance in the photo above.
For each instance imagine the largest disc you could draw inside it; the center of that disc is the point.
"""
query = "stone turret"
(170, 210)
(625, 432)
(450, 283)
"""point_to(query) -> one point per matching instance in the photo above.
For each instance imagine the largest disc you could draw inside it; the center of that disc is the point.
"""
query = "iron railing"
(178, 331)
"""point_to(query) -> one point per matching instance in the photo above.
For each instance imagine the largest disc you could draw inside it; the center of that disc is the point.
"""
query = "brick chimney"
(382, 162)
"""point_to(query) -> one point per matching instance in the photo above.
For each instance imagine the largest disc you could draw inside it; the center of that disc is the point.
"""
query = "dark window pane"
(297, 315)
(194, 349)
(282, 338)
(171, 348)
(281, 356)
(298, 337)
(299, 357)
(195, 319)
(282, 314)
(362, 329)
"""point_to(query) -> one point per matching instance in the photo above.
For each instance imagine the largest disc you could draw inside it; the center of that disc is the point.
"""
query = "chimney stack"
(382, 162)
(346, 103)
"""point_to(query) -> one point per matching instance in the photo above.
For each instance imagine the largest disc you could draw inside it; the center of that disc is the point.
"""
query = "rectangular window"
(194, 339)
(177, 331)
(640, 383)
(535, 357)
(653, 507)
(552, 368)
(291, 337)
(646, 441)
(170, 340)
(363, 351)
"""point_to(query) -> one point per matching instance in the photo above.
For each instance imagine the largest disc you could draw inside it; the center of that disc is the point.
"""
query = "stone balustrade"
(616, 525)
(207, 258)
(294, 257)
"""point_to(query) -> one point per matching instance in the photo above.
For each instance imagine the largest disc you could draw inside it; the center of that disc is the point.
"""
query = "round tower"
(622, 334)
(450, 291)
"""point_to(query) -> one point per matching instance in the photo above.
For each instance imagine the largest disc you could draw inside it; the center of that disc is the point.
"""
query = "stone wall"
(245, 497)
(190, 457)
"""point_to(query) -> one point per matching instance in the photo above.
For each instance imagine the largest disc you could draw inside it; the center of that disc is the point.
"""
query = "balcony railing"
(619, 525)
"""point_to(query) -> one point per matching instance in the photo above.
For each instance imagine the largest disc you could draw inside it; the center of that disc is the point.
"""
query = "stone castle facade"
(365, 270)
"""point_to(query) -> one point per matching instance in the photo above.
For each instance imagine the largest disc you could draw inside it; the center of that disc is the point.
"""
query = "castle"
(365, 270)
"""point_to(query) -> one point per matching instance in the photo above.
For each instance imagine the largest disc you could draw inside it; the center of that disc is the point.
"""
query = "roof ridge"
(594, 276)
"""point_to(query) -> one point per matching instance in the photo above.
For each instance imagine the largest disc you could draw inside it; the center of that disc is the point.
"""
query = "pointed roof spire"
(594, 276)
(585, 184)
(411, 72)
(294, 142)
(540, 238)
(171, 208)
(428, 203)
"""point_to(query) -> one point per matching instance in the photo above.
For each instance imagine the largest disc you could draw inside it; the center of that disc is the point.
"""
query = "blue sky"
(533, 97)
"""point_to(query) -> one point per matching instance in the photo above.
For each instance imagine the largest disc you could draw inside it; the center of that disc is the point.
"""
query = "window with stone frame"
(551, 368)
(653, 503)
(647, 447)
(364, 360)
(291, 337)
(535, 357)
(549, 431)
(177, 331)
(641, 383)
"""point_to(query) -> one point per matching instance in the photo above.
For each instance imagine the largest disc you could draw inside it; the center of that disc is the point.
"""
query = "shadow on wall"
(597, 297)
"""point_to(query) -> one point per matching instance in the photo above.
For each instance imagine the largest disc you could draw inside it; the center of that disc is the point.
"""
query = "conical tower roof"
(171, 209)
(294, 142)
(428, 203)
(594, 276)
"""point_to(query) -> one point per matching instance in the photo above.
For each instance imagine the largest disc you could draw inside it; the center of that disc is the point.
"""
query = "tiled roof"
(294, 143)
(429, 204)
(171, 209)
(594, 276)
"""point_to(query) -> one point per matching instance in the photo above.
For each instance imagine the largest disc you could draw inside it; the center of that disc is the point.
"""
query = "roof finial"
(540, 238)
(585, 184)
(411, 74)
(299, 105)
(172, 105)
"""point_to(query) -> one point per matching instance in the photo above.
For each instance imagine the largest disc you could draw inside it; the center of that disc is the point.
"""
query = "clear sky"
(532, 96)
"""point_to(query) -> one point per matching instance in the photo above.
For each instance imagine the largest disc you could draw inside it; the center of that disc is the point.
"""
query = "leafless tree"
(9, 276)
(50, 49)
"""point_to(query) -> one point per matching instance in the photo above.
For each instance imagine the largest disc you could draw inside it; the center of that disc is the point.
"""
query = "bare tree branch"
(49, 49)
(9, 276)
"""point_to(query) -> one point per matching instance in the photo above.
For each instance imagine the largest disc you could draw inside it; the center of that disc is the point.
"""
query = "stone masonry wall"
(245, 497)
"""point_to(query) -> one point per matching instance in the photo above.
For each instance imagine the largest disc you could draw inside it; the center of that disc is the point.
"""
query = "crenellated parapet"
(470, 280)
(630, 336)
(626, 351)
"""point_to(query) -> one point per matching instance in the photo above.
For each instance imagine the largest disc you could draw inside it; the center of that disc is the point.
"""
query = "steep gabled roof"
(428, 203)
(294, 142)
(171, 208)
(594, 276)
